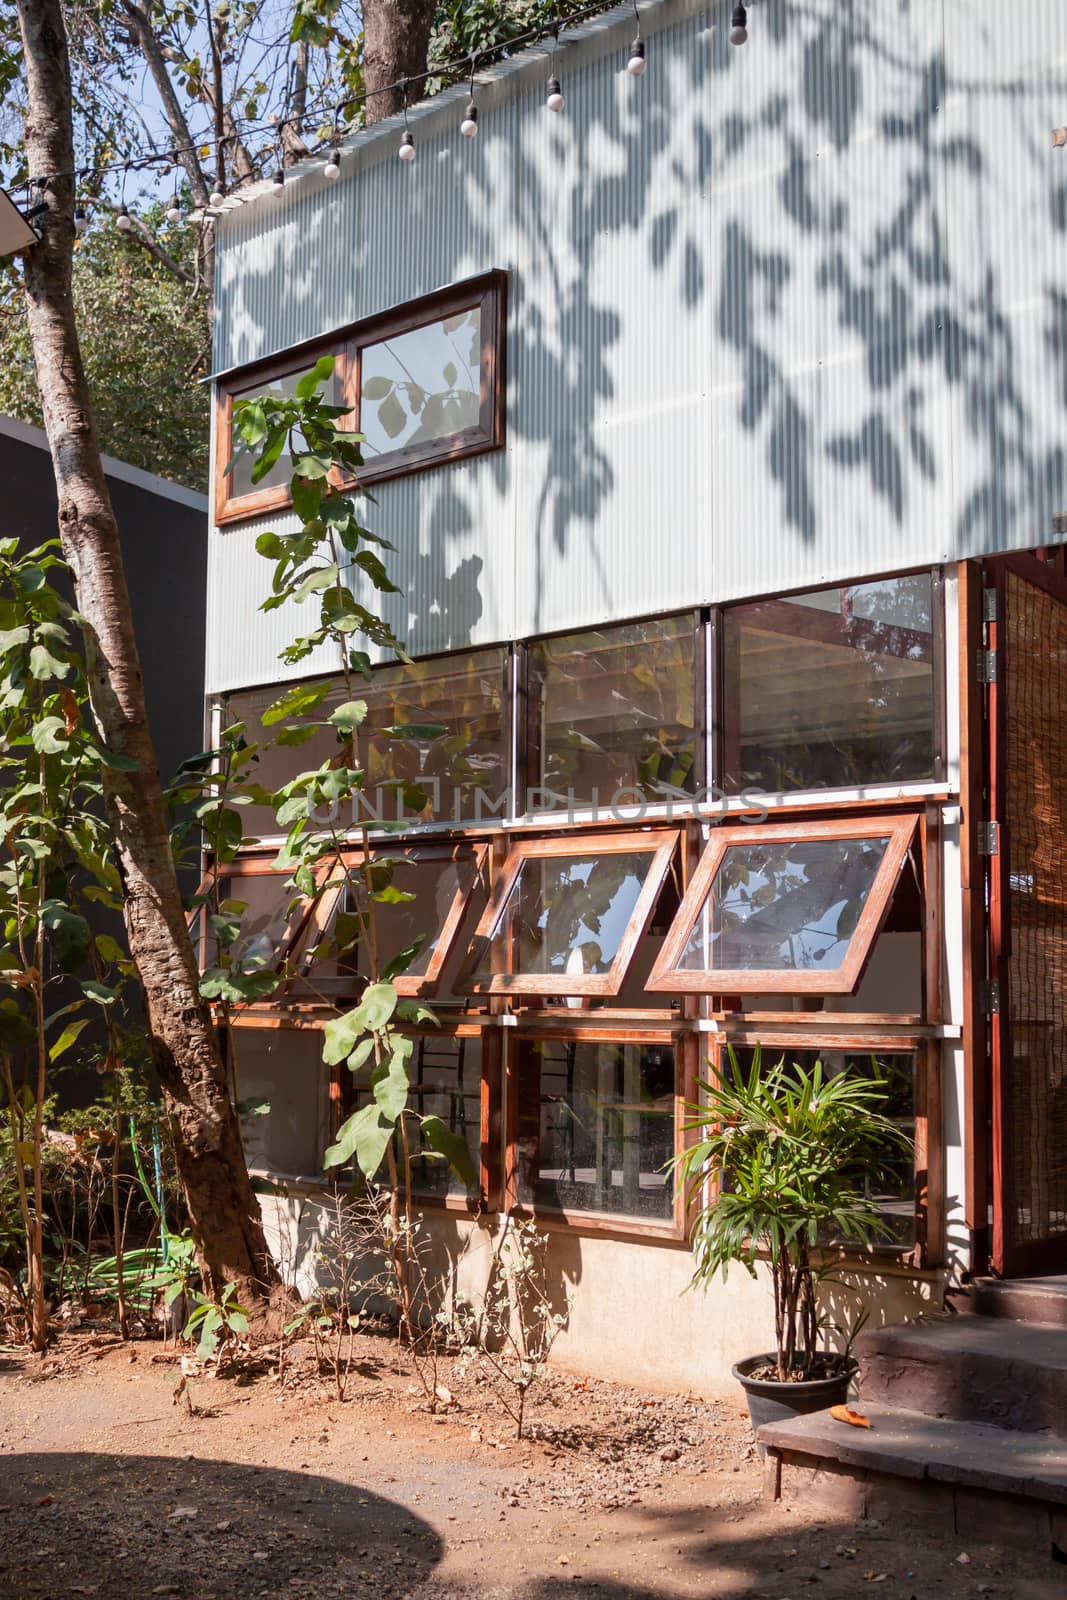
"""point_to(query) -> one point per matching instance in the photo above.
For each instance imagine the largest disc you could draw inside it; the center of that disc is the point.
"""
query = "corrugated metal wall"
(779, 315)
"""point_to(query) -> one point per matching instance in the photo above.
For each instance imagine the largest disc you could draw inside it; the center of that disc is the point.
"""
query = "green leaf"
(319, 373)
(452, 1147)
(366, 1136)
(295, 702)
(415, 730)
(372, 1014)
(100, 992)
(46, 737)
(44, 665)
(307, 497)
(68, 1037)
(390, 1082)
(349, 716)
(69, 933)
(10, 638)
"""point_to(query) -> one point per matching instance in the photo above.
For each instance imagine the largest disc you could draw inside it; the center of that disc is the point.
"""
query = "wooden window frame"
(617, 1224)
(488, 291)
(659, 846)
(927, 1253)
(666, 974)
(249, 865)
(423, 985)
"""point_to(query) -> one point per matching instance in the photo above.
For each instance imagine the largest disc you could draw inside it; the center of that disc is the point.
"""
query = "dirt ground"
(274, 1488)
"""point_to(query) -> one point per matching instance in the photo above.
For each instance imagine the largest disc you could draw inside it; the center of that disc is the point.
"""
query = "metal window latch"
(986, 666)
(990, 991)
(988, 838)
(989, 605)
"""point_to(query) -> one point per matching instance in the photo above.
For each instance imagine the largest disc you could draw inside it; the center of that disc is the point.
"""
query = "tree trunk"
(396, 38)
(223, 1208)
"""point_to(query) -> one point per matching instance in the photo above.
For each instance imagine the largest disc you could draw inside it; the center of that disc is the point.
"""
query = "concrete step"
(1042, 1300)
(969, 1369)
(982, 1483)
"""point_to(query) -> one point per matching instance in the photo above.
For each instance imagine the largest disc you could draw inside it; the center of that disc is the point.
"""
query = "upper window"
(567, 914)
(614, 713)
(424, 384)
(272, 916)
(833, 689)
(792, 908)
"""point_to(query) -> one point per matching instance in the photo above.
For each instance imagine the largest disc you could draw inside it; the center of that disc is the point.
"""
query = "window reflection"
(272, 916)
(567, 915)
(423, 385)
(615, 710)
(457, 775)
(784, 907)
(597, 1126)
(833, 688)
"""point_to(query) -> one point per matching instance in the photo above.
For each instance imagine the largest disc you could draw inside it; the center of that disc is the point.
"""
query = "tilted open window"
(448, 885)
(273, 917)
(567, 914)
(791, 908)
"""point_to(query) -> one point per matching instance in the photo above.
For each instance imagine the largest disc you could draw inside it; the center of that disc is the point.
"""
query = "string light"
(636, 66)
(407, 143)
(637, 63)
(81, 222)
(469, 126)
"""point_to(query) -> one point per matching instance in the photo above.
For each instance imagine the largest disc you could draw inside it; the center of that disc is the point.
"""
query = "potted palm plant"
(782, 1169)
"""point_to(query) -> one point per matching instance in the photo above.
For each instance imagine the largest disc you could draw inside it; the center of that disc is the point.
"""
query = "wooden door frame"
(1007, 1259)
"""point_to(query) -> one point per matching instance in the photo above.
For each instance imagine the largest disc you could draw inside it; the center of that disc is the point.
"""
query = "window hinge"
(991, 997)
(988, 838)
(989, 605)
(986, 666)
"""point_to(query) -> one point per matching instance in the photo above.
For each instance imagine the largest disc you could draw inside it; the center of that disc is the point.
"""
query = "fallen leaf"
(46, 1500)
(443, 1394)
(846, 1414)
(182, 1511)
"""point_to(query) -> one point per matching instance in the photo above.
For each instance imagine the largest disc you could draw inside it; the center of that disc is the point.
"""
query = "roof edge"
(121, 471)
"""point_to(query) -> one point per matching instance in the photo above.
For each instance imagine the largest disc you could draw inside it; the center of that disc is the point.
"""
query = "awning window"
(788, 908)
(444, 880)
(566, 915)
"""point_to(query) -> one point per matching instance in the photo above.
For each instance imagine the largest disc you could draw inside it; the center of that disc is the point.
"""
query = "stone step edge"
(886, 1448)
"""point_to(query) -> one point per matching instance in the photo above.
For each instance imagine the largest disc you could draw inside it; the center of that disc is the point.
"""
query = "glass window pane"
(273, 913)
(787, 906)
(282, 1067)
(422, 385)
(597, 1126)
(831, 689)
(438, 880)
(615, 710)
(446, 1082)
(241, 473)
(464, 694)
(567, 915)
(892, 1185)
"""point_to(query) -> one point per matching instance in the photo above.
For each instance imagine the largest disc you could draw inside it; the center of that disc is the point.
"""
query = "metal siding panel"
(779, 316)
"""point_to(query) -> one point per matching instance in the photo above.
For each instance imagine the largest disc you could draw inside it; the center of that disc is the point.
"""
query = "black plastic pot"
(771, 1401)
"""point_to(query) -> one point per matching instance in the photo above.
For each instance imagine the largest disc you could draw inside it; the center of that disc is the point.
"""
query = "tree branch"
(148, 242)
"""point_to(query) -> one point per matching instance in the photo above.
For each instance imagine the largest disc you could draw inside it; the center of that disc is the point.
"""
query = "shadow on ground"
(119, 1526)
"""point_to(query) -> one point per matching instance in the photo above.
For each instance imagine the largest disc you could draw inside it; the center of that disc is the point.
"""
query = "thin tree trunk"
(396, 39)
(223, 1208)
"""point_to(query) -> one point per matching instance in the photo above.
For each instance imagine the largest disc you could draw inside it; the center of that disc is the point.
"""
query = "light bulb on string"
(407, 143)
(174, 210)
(278, 181)
(332, 169)
(554, 100)
(739, 25)
(216, 196)
(81, 222)
(123, 221)
(469, 126)
(637, 63)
